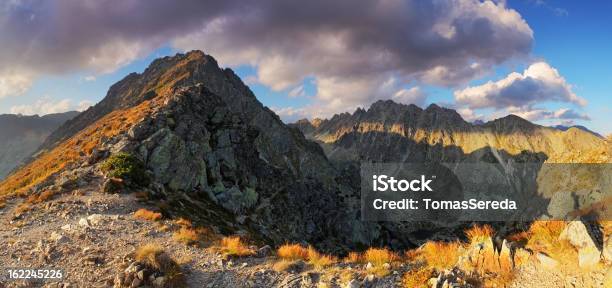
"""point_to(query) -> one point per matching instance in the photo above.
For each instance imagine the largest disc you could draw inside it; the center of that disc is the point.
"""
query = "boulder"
(606, 253)
(546, 261)
(83, 222)
(577, 233)
(264, 251)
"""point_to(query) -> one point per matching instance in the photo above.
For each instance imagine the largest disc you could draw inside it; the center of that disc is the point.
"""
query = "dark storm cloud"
(364, 48)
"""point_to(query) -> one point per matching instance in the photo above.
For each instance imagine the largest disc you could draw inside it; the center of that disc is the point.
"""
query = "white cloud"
(14, 83)
(251, 80)
(413, 95)
(443, 76)
(538, 83)
(297, 92)
(543, 114)
(42, 106)
(291, 114)
(46, 105)
(90, 78)
(116, 54)
(83, 105)
(470, 115)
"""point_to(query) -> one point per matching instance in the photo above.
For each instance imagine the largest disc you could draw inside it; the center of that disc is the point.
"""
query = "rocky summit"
(162, 182)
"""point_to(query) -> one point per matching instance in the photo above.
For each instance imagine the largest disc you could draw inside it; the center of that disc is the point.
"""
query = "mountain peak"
(512, 122)
(162, 77)
(390, 105)
(580, 127)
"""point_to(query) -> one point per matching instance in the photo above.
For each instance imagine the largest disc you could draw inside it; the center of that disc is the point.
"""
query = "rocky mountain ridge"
(407, 126)
(565, 128)
(209, 147)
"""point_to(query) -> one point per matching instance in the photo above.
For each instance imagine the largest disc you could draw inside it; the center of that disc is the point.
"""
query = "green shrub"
(127, 167)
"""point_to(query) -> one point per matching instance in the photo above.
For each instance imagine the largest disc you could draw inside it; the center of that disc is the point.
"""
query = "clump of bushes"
(127, 167)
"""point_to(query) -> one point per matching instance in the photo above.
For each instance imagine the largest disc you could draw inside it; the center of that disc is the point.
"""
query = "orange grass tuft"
(479, 233)
(319, 260)
(149, 215)
(191, 236)
(292, 252)
(379, 256)
(417, 278)
(233, 246)
(441, 255)
(353, 257)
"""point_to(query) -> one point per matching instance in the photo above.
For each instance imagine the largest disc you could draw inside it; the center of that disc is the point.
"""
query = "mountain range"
(183, 156)
(22, 135)
(215, 154)
(390, 131)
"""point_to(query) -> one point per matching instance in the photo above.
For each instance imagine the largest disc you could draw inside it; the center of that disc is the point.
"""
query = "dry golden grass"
(379, 256)
(186, 235)
(22, 208)
(319, 260)
(543, 236)
(440, 255)
(345, 276)
(606, 226)
(519, 237)
(479, 233)
(412, 255)
(183, 222)
(193, 236)
(148, 215)
(417, 278)
(353, 257)
(42, 197)
(233, 246)
(153, 256)
(283, 265)
(490, 268)
(292, 252)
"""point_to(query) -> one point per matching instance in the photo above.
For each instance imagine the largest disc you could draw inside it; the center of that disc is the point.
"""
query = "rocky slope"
(22, 135)
(94, 237)
(210, 148)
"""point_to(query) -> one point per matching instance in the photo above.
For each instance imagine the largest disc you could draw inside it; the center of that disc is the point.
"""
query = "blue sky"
(573, 37)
